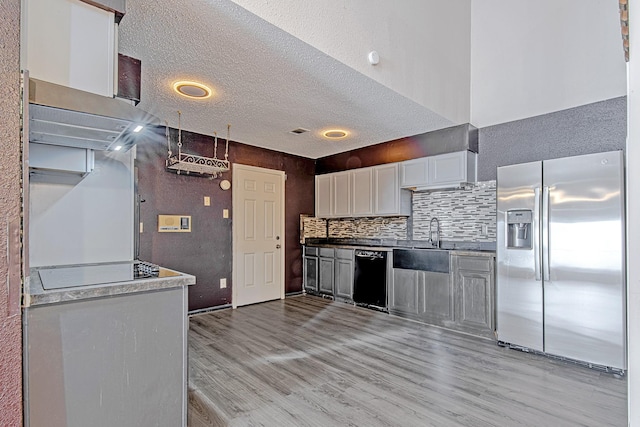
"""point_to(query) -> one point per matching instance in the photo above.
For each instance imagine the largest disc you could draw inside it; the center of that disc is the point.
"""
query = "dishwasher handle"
(370, 254)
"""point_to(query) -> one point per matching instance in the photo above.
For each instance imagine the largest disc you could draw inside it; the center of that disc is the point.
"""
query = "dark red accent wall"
(206, 252)
(387, 152)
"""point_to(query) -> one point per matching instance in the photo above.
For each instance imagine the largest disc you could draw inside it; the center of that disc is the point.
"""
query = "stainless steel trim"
(536, 234)
(545, 234)
(61, 115)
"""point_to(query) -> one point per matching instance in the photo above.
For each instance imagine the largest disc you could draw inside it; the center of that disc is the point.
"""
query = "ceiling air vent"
(299, 131)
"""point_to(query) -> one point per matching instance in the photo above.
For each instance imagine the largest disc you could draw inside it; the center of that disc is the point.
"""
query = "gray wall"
(586, 129)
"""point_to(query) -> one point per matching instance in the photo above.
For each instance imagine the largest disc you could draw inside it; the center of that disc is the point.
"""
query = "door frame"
(235, 199)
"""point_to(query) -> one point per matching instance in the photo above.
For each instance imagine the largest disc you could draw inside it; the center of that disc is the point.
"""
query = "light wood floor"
(305, 361)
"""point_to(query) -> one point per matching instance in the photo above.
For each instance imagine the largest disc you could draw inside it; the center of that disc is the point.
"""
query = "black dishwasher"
(370, 279)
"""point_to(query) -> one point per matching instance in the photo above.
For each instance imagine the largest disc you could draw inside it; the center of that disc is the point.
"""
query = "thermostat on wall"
(174, 223)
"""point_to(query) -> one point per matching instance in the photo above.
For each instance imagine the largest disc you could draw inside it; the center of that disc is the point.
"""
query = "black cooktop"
(71, 276)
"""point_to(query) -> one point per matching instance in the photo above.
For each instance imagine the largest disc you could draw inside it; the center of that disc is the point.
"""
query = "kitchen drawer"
(326, 252)
(344, 253)
(310, 251)
(475, 263)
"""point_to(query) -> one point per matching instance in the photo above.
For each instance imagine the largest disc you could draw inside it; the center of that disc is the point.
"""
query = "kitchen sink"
(436, 260)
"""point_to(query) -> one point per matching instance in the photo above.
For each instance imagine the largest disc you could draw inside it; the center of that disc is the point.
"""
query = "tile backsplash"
(467, 215)
(311, 227)
(369, 228)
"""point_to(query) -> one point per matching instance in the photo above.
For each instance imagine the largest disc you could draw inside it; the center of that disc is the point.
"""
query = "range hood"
(60, 115)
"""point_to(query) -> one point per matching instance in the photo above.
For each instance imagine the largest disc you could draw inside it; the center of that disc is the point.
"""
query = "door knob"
(278, 246)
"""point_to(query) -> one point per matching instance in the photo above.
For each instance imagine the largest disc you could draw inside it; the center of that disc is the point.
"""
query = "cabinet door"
(324, 196)
(386, 190)
(341, 194)
(474, 302)
(414, 173)
(438, 298)
(362, 194)
(448, 168)
(344, 278)
(311, 273)
(71, 43)
(325, 275)
(405, 296)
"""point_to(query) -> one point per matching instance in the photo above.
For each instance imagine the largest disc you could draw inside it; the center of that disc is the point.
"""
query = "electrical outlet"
(207, 201)
(223, 283)
(485, 229)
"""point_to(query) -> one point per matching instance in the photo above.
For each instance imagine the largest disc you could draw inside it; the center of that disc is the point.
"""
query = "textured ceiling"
(266, 81)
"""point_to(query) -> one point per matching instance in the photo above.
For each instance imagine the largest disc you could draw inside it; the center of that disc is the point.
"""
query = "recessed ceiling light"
(192, 89)
(138, 128)
(335, 134)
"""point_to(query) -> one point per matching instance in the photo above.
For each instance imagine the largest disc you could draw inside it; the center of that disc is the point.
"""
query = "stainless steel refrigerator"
(560, 258)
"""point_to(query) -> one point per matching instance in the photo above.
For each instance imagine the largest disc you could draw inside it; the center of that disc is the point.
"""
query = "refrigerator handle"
(537, 254)
(545, 234)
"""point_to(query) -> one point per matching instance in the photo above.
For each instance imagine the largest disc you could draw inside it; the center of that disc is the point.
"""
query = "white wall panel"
(423, 45)
(86, 222)
(535, 57)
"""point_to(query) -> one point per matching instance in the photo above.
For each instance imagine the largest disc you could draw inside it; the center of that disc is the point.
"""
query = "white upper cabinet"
(414, 172)
(70, 43)
(448, 168)
(341, 185)
(386, 194)
(324, 196)
(441, 171)
(373, 191)
(362, 183)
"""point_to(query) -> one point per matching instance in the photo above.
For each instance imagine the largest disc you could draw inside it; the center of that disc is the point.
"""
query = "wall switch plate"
(225, 213)
(207, 201)
(141, 227)
(223, 283)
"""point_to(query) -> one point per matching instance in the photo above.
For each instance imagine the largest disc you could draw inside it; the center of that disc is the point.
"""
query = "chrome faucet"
(435, 241)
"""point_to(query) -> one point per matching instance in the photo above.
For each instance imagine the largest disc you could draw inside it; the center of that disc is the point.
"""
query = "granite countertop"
(488, 247)
(35, 294)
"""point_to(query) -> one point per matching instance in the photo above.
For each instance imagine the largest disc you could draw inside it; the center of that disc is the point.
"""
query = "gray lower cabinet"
(406, 293)
(422, 295)
(474, 279)
(310, 269)
(329, 271)
(462, 300)
(438, 298)
(344, 274)
(326, 270)
(111, 361)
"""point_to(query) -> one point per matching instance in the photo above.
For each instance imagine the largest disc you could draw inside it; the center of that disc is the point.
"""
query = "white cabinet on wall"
(362, 183)
(341, 184)
(363, 192)
(324, 196)
(414, 172)
(442, 171)
(70, 43)
(386, 195)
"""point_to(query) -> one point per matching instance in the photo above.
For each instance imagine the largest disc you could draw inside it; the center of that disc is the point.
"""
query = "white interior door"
(258, 235)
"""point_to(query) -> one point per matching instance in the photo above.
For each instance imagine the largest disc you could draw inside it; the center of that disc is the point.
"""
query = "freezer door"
(585, 299)
(519, 284)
